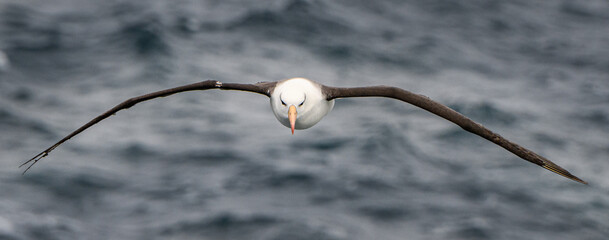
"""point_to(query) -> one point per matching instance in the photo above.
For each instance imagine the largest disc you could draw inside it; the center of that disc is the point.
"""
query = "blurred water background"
(217, 165)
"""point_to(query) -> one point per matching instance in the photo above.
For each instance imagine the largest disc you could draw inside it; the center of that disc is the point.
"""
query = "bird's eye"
(300, 105)
(283, 103)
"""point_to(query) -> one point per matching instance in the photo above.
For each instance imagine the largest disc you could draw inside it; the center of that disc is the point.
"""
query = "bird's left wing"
(450, 115)
(264, 88)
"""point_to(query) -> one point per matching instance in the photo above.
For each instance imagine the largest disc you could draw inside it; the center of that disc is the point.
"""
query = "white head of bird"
(298, 103)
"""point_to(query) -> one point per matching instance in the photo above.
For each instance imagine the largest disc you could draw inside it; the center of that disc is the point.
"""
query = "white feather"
(306, 96)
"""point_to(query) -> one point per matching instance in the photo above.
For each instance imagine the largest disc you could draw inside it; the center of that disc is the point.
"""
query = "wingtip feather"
(560, 171)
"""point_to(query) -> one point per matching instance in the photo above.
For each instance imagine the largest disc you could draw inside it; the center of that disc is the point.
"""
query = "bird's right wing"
(264, 88)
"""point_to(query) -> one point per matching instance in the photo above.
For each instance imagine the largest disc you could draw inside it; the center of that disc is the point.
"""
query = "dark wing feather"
(450, 115)
(264, 88)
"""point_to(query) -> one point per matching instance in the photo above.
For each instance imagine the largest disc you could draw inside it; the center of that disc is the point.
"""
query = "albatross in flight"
(300, 103)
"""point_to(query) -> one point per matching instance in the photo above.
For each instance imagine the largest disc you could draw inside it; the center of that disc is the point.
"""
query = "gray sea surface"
(218, 165)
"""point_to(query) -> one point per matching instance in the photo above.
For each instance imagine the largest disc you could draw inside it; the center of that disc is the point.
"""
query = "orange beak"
(292, 117)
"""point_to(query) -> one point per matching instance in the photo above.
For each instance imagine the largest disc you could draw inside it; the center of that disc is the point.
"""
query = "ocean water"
(217, 164)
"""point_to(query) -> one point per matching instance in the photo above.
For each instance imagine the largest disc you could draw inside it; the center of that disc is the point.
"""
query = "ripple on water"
(385, 213)
(222, 225)
(82, 185)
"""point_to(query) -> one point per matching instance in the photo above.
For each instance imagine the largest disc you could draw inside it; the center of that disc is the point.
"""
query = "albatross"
(300, 103)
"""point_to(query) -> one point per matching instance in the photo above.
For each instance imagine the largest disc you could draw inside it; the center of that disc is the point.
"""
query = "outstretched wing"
(450, 115)
(264, 88)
